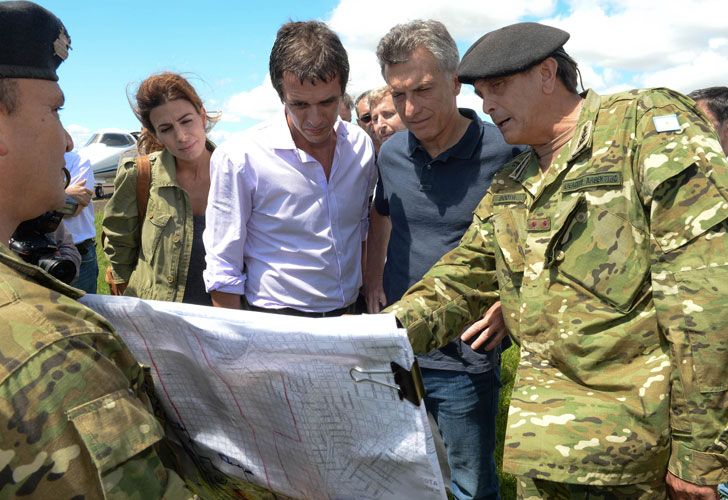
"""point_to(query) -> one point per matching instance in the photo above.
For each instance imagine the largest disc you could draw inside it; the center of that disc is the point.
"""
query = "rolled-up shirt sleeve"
(228, 210)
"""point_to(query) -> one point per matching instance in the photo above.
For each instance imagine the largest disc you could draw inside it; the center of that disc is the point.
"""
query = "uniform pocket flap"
(703, 314)
(687, 206)
(159, 220)
(601, 252)
(509, 240)
(115, 428)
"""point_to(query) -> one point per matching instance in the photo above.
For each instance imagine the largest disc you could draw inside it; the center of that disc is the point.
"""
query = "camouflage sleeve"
(455, 292)
(120, 223)
(683, 178)
(73, 426)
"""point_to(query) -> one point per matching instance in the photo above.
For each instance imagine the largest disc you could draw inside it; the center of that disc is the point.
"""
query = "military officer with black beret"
(75, 419)
(608, 243)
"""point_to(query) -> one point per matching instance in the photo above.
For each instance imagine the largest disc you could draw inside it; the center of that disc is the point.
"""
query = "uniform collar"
(582, 138)
(166, 173)
(579, 142)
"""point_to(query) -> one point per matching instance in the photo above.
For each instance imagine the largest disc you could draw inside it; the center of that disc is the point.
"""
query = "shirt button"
(560, 256)
(581, 216)
(170, 279)
(176, 238)
(429, 167)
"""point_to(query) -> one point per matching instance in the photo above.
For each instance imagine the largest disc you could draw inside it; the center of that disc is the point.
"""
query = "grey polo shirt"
(430, 202)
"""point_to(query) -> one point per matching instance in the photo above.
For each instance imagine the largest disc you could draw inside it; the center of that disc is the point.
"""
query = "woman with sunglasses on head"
(157, 252)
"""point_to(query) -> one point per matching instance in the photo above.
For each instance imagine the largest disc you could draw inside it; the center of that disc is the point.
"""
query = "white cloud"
(465, 19)
(707, 69)
(468, 99)
(258, 103)
(220, 136)
(619, 44)
(79, 134)
(650, 42)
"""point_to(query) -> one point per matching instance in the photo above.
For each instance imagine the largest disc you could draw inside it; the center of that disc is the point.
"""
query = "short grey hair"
(397, 45)
(376, 95)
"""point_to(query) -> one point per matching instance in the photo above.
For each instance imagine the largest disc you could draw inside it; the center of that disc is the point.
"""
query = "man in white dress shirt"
(287, 213)
(81, 224)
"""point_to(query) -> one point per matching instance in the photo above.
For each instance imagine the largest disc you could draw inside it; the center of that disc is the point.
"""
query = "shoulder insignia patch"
(666, 123)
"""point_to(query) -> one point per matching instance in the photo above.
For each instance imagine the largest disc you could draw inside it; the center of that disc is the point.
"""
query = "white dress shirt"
(80, 226)
(280, 233)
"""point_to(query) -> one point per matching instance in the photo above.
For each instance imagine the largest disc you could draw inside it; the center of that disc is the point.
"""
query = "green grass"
(102, 287)
(508, 373)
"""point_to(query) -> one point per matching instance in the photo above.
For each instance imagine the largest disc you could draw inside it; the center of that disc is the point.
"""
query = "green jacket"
(612, 268)
(73, 410)
(155, 263)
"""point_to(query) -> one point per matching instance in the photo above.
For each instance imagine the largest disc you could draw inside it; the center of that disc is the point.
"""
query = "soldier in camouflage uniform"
(607, 245)
(74, 421)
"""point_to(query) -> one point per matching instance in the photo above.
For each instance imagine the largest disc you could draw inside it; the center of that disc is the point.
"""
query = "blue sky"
(223, 47)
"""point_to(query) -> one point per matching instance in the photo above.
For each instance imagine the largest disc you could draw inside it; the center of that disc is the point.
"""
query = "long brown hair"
(159, 89)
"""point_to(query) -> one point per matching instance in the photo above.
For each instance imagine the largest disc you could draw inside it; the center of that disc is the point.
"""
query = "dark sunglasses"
(365, 118)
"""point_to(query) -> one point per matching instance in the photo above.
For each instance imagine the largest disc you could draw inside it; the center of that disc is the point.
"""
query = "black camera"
(34, 245)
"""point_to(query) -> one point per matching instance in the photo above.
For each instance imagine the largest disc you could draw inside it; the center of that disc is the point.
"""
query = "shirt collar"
(281, 138)
(464, 148)
(167, 174)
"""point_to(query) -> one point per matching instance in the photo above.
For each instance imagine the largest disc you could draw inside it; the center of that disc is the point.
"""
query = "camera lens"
(64, 270)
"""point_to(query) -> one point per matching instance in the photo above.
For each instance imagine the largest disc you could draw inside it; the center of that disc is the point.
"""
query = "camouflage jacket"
(612, 267)
(74, 418)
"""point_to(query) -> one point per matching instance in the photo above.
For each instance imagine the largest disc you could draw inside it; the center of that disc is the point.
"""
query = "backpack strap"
(144, 182)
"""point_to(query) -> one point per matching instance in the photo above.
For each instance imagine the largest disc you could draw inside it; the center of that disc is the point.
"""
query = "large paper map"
(273, 400)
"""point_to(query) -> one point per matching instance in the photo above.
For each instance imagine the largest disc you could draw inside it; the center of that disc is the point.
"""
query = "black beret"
(33, 42)
(509, 50)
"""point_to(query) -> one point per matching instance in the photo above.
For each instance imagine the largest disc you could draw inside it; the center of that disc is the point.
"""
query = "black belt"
(86, 245)
(350, 309)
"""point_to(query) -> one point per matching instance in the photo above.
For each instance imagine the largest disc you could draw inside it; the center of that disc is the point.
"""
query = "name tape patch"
(606, 179)
(509, 199)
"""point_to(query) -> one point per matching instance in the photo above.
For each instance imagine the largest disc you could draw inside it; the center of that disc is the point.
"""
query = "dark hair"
(156, 90)
(8, 96)
(715, 99)
(309, 50)
(567, 70)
